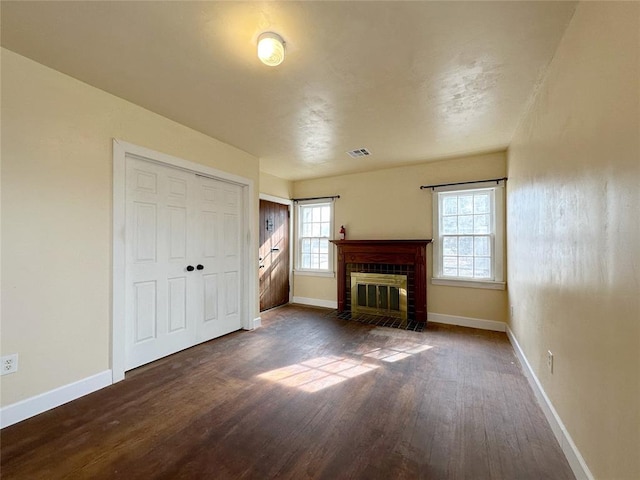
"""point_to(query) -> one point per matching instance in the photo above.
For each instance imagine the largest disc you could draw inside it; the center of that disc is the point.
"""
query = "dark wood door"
(274, 254)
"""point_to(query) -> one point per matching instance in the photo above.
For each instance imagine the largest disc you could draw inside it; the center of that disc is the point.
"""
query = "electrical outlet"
(9, 364)
(550, 361)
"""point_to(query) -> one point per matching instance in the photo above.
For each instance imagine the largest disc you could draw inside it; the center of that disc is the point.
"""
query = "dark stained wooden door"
(274, 254)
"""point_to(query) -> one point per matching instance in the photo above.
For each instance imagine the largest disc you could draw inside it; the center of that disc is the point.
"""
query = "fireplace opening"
(379, 294)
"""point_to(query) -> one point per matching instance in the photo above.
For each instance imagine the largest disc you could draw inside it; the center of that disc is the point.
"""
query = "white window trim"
(312, 272)
(498, 219)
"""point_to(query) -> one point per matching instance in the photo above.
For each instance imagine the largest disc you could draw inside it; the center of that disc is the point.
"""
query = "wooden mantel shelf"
(392, 252)
(379, 242)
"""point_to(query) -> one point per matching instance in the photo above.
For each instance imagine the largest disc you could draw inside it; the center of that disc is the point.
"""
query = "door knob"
(190, 268)
(200, 267)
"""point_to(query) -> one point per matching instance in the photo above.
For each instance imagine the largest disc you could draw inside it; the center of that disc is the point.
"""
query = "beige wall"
(276, 186)
(56, 217)
(388, 204)
(573, 235)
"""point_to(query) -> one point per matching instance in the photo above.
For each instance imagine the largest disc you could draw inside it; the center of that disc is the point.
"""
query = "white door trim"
(120, 151)
(271, 198)
(289, 203)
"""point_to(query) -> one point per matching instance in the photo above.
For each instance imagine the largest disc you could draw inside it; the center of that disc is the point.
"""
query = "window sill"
(315, 273)
(450, 282)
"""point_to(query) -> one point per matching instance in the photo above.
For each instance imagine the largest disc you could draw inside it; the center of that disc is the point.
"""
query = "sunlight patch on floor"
(318, 373)
(397, 352)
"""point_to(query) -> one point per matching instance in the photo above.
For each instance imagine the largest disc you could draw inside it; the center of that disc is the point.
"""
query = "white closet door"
(160, 314)
(183, 251)
(218, 252)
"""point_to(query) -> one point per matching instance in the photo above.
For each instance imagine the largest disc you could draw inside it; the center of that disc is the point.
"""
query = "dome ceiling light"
(271, 49)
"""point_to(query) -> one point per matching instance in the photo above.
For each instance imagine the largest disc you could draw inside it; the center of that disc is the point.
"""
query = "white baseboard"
(571, 452)
(467, 322)
(31, 407)
(315, 302)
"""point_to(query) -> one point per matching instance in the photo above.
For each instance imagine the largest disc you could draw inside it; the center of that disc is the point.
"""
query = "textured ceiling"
(410, 81)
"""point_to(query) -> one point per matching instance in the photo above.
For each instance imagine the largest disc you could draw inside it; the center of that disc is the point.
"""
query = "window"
(468, 243)
(314, 251)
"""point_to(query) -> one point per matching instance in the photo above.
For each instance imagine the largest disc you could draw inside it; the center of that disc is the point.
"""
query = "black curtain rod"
(497, 180)
(315, 198)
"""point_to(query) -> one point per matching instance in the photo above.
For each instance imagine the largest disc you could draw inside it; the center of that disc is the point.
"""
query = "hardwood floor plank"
(305, 397)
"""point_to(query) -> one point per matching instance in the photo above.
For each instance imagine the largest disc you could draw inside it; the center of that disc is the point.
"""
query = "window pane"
(481, 224)
(307, 214)
(450, 266)
(306, 230)
(465, 224)
(481, 246)
(482, 267)
(306, 260)
(481, 203)
(450, 246)
(465, 267)
(450, 205)
(465, 246)
(315, 229)
(324, 230)
(324, 245)
(450, 225)
(465, 204)
(315, 261)
(324, 261)
(315, 245)
(306, 245)
(316, 214)
(326, 213)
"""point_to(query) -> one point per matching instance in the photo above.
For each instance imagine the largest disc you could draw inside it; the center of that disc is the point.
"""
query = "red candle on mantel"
(343, 233)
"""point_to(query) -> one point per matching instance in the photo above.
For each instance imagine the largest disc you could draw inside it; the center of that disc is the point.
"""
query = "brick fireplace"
(401, 257)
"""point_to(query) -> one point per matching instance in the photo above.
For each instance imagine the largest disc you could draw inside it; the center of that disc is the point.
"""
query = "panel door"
(160, 314)
(274, 254)
(184, 260)
(219, 255)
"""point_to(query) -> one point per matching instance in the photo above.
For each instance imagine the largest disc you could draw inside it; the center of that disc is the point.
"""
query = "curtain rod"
(332, 197)
(497, 180)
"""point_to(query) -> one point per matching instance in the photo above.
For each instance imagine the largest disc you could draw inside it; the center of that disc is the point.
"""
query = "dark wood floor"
(306, 396)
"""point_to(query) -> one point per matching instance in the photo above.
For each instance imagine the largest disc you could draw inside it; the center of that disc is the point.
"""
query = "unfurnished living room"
(321, 240)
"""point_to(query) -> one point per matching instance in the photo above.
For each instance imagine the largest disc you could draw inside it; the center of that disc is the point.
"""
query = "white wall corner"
(571, 452)
(493, 325)
(33, 406)
(315, 302)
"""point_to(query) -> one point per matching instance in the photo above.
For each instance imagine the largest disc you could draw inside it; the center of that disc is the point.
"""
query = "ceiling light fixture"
(271, 49)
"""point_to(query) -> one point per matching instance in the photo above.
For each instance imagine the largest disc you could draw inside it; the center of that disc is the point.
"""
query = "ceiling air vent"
(359, 152)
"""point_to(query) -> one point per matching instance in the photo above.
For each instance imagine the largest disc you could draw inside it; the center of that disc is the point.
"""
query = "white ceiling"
(410, 81)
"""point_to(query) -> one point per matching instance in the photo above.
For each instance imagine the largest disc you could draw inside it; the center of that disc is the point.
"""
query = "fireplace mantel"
(392, 252)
